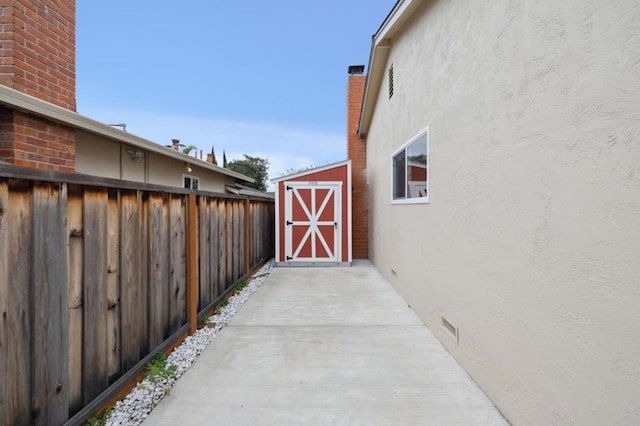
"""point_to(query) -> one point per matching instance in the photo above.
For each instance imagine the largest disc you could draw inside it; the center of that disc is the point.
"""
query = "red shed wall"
(336, 174)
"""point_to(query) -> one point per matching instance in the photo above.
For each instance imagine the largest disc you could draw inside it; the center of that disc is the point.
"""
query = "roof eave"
(380, 47)
(23, 102)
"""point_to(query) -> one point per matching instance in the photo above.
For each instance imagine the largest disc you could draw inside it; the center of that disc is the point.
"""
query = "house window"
(409, 171)
(390, 81)
(190, 182)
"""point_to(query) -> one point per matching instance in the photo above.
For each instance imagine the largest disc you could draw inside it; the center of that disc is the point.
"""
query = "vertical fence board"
(241, 268)
(15, 351)
(143, 283)
(255, 236)
(74, 291)
(167, 291)
(268, 235)
(192, 263)
(16, 316)
(165, 252)
(95, 337)
(271, 229)
(213, 250)
(246, 253)
(49, 315)
(130, 265)
(204, 242)
(240, 242)
(235, 247)
(4, 295)
(229, 244)
(177, 296)
(158, 270)
(222, 245)
(263, 235)
(113, 286)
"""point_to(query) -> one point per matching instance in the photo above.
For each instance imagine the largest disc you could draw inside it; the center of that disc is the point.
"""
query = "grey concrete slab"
(326, 346)
(358, 295)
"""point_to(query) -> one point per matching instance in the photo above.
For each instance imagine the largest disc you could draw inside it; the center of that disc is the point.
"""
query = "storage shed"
(313, 217)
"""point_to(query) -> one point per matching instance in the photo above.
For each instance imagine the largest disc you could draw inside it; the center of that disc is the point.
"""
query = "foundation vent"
(451, 329)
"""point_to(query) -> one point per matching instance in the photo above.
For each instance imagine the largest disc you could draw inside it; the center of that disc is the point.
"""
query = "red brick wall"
(30, 141)
(37, 57)
(37, 49)
(357, 153)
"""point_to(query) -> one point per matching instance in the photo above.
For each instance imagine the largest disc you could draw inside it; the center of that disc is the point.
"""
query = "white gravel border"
(137, 405)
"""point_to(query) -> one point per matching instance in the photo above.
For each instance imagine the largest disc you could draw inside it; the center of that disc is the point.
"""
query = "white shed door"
(313, 225)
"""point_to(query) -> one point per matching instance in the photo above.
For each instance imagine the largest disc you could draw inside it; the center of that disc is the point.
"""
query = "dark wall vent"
(390, 81)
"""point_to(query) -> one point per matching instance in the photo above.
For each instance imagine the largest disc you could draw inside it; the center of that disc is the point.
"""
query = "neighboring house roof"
(309, 171)
(26, 103)
(380, 46)
(240, 189)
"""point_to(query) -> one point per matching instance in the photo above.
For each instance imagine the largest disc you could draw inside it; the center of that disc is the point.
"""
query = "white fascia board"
(29, 104)
(314, 170)
(380, 47)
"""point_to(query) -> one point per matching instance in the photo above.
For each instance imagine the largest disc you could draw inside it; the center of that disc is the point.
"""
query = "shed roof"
(309, 171)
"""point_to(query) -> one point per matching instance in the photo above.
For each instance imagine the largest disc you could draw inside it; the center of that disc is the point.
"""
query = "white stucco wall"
(530, 244)
(98, 156)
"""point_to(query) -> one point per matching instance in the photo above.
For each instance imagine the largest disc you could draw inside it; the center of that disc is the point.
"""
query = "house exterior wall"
(97, 156)
(531, 239)
(103, 157)
(166, 171)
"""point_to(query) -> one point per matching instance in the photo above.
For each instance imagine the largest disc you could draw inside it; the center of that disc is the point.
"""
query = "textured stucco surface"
(530, 244)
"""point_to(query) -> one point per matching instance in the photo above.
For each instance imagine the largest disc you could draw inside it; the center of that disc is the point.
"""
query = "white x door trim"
(332, 247)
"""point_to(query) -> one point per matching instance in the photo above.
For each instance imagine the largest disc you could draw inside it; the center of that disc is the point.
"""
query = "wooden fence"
(97, 276)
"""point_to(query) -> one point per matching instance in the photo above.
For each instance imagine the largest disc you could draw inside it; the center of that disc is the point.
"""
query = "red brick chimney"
(37, 57)
(357, 153)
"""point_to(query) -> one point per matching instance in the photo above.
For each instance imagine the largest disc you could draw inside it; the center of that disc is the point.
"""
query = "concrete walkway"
(326, 346)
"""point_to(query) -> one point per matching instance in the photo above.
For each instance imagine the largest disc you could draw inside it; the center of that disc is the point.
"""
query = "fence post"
(247, 238)
(192, 264)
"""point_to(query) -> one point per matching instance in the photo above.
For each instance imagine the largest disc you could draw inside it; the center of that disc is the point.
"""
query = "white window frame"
(192, 177)
(418, 200)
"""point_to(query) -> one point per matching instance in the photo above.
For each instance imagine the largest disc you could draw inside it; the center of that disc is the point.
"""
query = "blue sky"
(264, 78)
